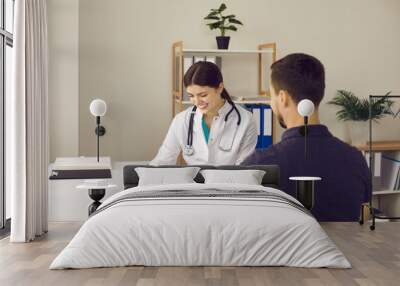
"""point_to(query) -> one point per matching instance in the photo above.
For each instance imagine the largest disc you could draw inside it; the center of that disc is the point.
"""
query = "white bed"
(185, 230)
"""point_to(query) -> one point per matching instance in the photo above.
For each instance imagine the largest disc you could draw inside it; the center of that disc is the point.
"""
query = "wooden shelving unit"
(386, 199)
(228, 52)
(385, 192)
(379, 146)
(244, 101)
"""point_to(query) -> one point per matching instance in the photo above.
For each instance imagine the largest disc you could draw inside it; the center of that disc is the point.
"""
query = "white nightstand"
(67, 203)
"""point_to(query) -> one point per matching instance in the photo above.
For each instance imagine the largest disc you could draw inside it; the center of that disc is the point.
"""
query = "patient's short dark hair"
(301, 75)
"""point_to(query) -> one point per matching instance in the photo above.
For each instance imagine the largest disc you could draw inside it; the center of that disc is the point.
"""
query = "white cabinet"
(67, 203)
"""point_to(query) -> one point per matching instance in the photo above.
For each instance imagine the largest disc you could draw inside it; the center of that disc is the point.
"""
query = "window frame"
(6, 39)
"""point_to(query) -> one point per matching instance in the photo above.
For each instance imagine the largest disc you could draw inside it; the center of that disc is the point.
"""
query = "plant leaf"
(231, 27)
(211, 18)
(234, 21)
(214, 25)
(353, 108)
(222, 7)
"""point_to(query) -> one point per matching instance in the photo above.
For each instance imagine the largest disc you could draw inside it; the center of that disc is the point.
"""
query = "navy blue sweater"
(345, 181)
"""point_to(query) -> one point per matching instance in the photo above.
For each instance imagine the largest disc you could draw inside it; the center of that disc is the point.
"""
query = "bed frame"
(270, 179)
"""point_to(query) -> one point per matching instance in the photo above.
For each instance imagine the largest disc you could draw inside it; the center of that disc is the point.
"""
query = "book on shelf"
(390, 172)
(254, 98)
(199, 59)
(397, 181)
(262, 115)
(211, 59)
(187, 63)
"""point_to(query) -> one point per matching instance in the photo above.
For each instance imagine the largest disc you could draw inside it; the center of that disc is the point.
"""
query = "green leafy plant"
(222, 22)
(356, 109)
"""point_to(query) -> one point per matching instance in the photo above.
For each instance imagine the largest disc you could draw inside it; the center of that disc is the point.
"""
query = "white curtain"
(27, 152)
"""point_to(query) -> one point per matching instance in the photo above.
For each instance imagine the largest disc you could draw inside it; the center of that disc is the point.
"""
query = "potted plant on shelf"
(356, 110)
(223, 23)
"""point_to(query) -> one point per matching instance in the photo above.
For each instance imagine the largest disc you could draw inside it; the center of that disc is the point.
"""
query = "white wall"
(125, 58)
(63, 34)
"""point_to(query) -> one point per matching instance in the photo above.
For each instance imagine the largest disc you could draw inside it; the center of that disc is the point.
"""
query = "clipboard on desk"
(80, 174)
(81, 168)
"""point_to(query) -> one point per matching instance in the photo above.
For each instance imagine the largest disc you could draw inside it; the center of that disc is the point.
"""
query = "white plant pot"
(359, 132)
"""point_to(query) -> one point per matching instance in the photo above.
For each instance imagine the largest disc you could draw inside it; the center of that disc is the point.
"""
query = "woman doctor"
(214, 131)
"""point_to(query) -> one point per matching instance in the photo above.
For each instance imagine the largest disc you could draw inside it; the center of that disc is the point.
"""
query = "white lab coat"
(241, 140)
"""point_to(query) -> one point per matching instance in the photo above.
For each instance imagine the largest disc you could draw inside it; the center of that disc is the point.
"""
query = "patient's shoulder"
(347, 150)
(345, 147)
(265, 156)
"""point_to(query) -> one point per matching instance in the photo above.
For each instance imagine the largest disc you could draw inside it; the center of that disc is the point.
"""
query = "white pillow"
(163, 176)
(248, 177)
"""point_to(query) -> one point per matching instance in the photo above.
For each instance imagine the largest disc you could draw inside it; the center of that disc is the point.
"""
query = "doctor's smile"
(207, 100)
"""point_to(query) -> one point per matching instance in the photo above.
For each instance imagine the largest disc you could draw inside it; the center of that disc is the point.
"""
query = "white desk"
(66, 203)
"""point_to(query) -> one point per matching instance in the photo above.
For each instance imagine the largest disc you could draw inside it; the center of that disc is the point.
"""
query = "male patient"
(345, 181)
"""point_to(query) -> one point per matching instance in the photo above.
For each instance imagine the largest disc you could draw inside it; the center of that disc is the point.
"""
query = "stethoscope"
(188, 150)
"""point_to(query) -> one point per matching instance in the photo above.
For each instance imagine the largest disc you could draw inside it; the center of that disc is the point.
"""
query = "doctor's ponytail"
(206, 74)
(225, 95)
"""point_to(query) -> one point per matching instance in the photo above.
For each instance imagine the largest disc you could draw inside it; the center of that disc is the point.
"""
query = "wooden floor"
(375, 257)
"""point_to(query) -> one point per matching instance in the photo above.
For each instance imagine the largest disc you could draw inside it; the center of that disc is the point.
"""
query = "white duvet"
(200, 231)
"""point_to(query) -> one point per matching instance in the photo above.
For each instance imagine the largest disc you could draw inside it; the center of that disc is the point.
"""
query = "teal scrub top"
(206, 131)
